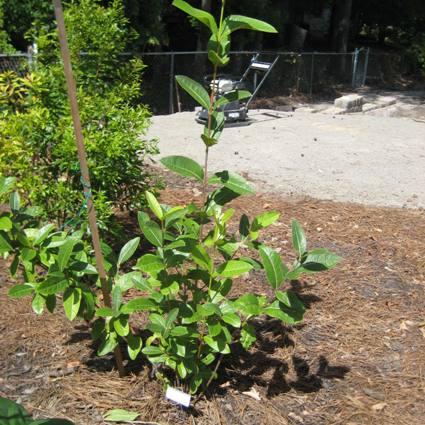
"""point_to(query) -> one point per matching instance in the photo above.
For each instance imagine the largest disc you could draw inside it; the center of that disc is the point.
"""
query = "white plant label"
(178, 396)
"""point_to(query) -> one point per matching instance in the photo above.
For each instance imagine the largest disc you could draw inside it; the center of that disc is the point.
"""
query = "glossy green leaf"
(299, 240)
(12, 413)
(134, 345)
(5, 223)
(152, 351)
(232, 319)
(54, 284)
(238, 22)
(233, 182)
(248, 336)
(19, 291)
(152, 233)
(64, 253)
(6, 184)
(291, 305)
(105, 312)
(120, 415)
(195, 90)
(38, 303)
(15, 201)
(121, 325)
(275, 269)
(232, 96)
(154, 205)
(128, 250)
(184, 166)
(201, 257)
(264, 220)
(199, 14)
(43, 233)
(4, 244)
(278, 311)
(234, 268)
(71, 302)
(320, 259)
(150, 263)
(108, 344)
(248, 304)
(138, 305)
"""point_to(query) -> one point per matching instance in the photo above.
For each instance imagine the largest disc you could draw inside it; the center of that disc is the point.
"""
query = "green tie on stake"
(85, 177)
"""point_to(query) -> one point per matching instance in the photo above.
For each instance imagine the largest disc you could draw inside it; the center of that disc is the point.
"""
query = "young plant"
(184, 286)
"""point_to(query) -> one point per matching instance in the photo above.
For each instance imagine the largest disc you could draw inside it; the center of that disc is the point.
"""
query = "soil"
(358, 358)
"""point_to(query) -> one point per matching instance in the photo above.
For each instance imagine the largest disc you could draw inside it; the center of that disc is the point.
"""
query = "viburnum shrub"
(185, 284)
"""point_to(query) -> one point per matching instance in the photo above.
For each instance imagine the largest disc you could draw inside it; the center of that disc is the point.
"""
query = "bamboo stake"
(72, 95)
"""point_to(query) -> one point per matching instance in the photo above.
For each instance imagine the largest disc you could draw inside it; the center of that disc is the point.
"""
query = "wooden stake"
(72, 95)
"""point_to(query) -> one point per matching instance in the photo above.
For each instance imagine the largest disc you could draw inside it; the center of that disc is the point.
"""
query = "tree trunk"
(340, 32)
(341, 25)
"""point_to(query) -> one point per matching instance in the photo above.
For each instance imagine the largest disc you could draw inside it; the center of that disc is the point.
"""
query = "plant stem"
(209, 380)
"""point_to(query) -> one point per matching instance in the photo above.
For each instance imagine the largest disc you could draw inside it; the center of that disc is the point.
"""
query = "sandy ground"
(374, 160)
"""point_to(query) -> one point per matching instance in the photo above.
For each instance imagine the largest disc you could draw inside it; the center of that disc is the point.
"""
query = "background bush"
(37, 142)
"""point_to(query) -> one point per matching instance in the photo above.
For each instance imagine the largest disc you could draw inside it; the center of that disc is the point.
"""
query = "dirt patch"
(357, 359)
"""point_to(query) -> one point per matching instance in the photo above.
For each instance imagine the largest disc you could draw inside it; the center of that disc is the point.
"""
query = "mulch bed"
(358, 358)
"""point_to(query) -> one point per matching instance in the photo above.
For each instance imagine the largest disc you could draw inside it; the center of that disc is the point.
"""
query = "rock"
(350, 103)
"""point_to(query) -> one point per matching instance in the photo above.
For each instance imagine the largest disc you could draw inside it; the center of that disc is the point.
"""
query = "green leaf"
(279, 311)
(12, 413)
(184, 166)
(201, 257)
(234, 268)
(218, 59)
(5, 223)
(105, 312)
(232, 96)
(153, 233)
(264, 220)
(19, 291)
(154, 205)
(137, 305)
(71, 302)
(121, 325)
(232, 181)
(181, 370)
(232, 319)
(299, 241)
(150, 263)
(134, 345)
(248, 304)
(38, 303)
(152, 351)
(291, 305)
(222, 196)
(108, 344)
(65, 252)
(43, 233)
(218, 343)
(53, 284)
(120, 415)
(248, 336)
(320, 259)
(202, 16)
(179, 331)
(128, 250)
(244, 226)
(275, 269)
(14, 201)
(195, 90)
(51, 303)
(4, 244)
(238, 22)
(6, 184)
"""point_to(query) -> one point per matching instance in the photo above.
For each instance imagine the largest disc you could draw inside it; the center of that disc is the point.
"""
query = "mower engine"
(237, 110)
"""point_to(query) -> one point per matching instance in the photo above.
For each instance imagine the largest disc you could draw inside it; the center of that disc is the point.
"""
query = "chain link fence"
(307, 73)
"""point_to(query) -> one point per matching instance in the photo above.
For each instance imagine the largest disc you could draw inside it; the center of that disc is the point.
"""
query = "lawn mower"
(237, 111)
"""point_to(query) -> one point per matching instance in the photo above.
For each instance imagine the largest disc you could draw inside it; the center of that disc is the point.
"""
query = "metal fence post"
(312, 75)
(171, 89)
(366, 66)
(355, 62)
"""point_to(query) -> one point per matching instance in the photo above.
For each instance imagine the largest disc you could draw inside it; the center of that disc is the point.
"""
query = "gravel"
(356, 158)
